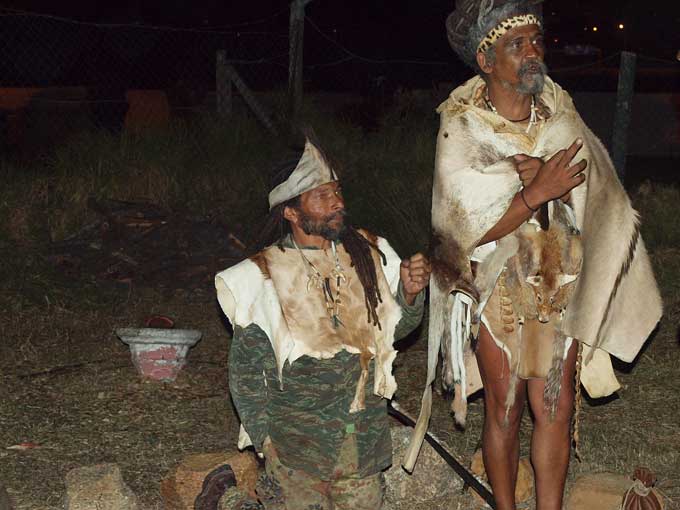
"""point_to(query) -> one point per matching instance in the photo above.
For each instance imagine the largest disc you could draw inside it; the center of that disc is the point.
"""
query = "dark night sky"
(391, 28)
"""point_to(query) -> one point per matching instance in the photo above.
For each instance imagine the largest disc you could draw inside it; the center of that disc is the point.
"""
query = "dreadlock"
(275, 228)
(359, 250)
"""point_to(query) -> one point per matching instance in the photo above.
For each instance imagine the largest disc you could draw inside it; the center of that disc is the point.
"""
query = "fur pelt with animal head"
(541, 276)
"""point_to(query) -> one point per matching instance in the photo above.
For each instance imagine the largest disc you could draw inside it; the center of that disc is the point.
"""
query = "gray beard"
(322, 227)
(531, 82)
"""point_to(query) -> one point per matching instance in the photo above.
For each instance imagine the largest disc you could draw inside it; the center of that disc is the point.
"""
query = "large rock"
(181, 487)
(432, 481)
(601, 491)
(100, 486)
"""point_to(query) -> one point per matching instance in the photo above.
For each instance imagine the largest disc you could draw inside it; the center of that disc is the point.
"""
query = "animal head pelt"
(546, 266)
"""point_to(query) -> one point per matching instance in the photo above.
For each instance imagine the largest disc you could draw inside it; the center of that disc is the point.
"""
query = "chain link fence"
(59, 75)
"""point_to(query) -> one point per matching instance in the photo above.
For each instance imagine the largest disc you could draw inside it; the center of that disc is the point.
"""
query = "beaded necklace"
(316, 280)
(531, 117)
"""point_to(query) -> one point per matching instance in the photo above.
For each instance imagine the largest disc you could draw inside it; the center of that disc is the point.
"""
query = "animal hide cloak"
(616, 302)
(269, 289)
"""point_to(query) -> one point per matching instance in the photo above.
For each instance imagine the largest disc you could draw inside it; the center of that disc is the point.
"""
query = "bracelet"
(521, 194)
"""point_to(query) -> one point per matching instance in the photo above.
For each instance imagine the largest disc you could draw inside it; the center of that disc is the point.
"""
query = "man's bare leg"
(500, 441)
(550, 442)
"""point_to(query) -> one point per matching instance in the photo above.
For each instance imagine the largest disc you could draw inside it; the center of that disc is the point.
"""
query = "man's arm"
(249, 356)
(554, 179)
(414, 276)
(411, 313)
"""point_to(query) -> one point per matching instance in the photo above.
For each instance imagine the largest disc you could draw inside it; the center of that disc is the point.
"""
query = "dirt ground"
(68, 387)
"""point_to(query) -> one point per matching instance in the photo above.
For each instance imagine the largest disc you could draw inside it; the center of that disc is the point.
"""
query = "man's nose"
(534, 51)
(338, 203)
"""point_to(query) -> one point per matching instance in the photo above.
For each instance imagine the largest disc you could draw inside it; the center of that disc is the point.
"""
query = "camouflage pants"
(297, 490)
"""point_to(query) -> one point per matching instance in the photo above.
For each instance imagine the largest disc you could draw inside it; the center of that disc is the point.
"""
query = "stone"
(235, 499)
(181, 487)
(432, 480)
(524, 490)
(604, 491)
(100, 486)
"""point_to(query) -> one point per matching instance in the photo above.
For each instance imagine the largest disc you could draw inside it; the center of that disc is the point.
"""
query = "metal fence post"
(622, 114)
(295, 61)
(222, 85)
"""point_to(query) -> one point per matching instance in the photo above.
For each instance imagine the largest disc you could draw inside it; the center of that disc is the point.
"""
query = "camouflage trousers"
(293, 489)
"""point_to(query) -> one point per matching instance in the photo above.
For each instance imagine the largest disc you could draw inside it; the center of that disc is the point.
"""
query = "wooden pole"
(622, 114)
(295, 58)
(222, 85)
(249, 98)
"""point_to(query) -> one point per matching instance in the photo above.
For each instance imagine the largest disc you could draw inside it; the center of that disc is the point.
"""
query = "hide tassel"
(553, 381)
(577, 403)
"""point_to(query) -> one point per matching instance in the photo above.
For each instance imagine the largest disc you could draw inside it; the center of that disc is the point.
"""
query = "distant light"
(594, 29)
(621, 27)
(556, 39)
(585, 28)
(677, 56)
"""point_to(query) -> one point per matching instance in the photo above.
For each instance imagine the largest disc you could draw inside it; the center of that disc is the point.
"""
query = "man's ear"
(483, 63)
(291, 214)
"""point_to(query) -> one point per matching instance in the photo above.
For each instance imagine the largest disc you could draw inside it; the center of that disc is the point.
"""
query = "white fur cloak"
(268, 289)
(616, 303)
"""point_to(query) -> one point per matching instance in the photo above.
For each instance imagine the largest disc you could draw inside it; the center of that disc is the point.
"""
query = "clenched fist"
(415, 276)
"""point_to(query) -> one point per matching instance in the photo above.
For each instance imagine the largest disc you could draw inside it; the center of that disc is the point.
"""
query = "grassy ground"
(66, 382)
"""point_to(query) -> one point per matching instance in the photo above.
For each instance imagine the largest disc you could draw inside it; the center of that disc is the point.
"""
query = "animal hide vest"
(270, 290)
(616, 302)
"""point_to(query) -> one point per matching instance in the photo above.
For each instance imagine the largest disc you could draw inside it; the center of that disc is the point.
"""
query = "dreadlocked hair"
(359, 250)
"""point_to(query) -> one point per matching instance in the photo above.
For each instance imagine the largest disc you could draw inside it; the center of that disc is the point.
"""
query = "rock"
(604, 491)
(235, 499)
(181, 487)
(524, 490)
(100, 486)
(432, 481)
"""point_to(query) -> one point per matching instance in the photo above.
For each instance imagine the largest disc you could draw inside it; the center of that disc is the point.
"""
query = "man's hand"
(415, 276)
(555, 178)
(527, 167)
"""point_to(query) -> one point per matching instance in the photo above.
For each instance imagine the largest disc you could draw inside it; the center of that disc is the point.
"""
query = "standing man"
(315, 314)
(510, 141)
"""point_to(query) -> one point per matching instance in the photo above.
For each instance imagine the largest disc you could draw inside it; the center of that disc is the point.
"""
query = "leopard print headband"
(503, 27)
